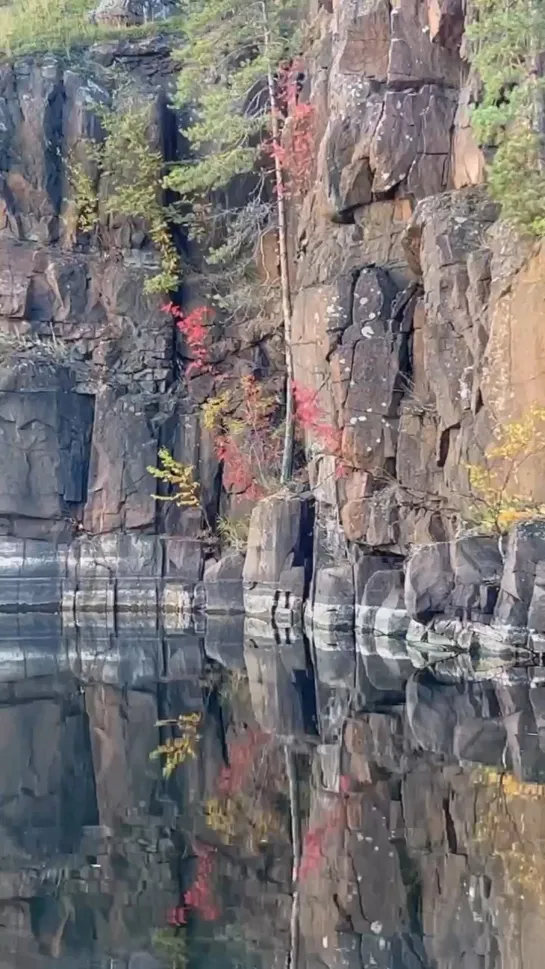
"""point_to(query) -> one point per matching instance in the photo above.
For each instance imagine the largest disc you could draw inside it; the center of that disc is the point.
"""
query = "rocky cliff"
(416, 319)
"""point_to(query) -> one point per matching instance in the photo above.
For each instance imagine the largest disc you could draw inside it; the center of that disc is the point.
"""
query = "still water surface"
(414, 785)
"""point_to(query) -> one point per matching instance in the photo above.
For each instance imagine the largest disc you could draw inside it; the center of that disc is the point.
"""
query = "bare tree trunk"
(293, 954)
(289, 430)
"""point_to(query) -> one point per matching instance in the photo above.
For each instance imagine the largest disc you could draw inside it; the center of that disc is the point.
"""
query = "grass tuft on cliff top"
(38, 26)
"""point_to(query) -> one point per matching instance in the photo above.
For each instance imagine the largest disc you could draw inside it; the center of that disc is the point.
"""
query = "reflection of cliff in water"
(420, 793)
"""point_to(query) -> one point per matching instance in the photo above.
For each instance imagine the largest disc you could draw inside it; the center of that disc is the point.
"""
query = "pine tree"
(231, 59)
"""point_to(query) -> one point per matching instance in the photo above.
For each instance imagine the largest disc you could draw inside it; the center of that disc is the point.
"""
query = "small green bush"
(135, 181)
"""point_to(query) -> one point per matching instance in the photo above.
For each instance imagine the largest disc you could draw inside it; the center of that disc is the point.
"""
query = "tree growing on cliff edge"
(231, 63)
(506, 41)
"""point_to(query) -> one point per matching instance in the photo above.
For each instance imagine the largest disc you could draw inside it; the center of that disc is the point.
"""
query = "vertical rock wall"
(409, 320)
(417, 316)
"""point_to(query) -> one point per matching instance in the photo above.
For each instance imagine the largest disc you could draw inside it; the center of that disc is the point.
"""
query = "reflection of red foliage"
(191, 326)
(314, 841)
(199, 897)
(242, 754)
(177, 915)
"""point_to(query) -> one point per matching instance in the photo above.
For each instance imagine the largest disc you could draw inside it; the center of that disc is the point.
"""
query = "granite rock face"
(478, 590)
(405, 282)
(279, 556)
(407, 328)
(92, 369)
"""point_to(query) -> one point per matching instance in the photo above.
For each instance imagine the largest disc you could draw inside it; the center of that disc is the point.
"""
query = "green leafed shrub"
(505, 38)
(134, 173)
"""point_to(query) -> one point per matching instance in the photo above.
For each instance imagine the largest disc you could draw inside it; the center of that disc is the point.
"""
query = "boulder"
(46, 436)
(114, 13)
(130, 13)
(367, 369)
(478, 566)
(382, 609)
(429, 581)
(278, 557)
(223, 584)
(333, 597)
(525, 550)
(536, 611)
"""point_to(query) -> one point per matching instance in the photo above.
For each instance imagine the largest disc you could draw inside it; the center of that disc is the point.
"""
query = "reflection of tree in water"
(247, 804)
(182, 745)
(510, 831)
(224, 948)
(234, 836)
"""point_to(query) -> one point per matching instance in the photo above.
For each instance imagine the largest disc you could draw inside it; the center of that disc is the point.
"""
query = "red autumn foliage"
(199, 897)
(192, 327)
(177, 915)
(250, 451)
(242, 755)
(310, 418)
(299, 151)
(315, 840)
(295, 150)
(238, 473)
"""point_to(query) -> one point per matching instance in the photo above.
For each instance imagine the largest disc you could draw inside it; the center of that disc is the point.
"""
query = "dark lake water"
(412, 786)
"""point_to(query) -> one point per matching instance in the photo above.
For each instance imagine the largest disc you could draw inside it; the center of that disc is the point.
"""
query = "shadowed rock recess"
(416, 322)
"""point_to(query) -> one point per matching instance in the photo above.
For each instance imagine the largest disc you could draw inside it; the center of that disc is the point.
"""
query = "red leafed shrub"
(310, 418)
(192, 326)
(242, 755)
(248, 445)
(238, 472)
(315, 839)
(300, 148)
(199, 897)
(295, 150)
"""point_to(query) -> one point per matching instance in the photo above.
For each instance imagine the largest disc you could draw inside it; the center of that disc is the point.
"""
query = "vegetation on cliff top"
(38, 26)
(506, 39)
